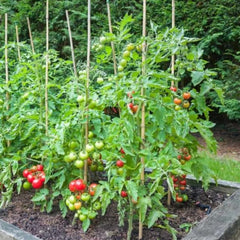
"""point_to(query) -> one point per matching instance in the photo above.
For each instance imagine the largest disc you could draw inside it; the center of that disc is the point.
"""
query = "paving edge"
(11, 232)
(222, 224)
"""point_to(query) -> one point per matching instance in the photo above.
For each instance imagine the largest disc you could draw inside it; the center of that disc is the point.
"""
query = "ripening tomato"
(186, 95)
(179, 199)
(134, 108)
(130, 105)
(182, 188)
(172, 88)
(177, 101)
(92, 189)
(186, 104)
(187, 157)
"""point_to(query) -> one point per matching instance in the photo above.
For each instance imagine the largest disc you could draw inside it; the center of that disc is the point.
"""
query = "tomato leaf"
(153, 216)
(86, 224)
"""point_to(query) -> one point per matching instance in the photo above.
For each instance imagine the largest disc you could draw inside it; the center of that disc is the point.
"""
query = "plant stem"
(130, 219)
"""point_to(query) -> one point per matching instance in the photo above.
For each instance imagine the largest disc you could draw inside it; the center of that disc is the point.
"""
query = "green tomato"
(123, 63)
(120, 68)
(72, 156)
(71, 207)
(96, 155)
(99, 145)
(93, 167)
(96, 205)
(126, 54)
(85, 197)
(73, 145)
(100, 168)
(82, 217)
(90, 134)
(83, 155)
(92, 104)
(130, 47)
(1, 102)
(92, 214)
(80, 99)
(67, 202)
(120, 171)
(72, 199)
(27, 185)
(67, 159)
(100, 80)
(89, 148)
(79, 163)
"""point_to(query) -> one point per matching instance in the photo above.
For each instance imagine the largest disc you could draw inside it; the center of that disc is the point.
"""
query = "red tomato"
(120, 163)
(37, 183)
(183, 182)
(39, 167)
(72, 186)
(25, 173)
(122, 151)
(79, 185)
(30, 177)
(124, 194)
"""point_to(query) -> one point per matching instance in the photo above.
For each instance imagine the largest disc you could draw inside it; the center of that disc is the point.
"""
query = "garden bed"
(22, 214)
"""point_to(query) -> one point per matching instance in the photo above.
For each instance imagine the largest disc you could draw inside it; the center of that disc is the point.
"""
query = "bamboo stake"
(30, 35)
(71, 44)
(18, 48)
(173, 26)
(47, 64)
(87, 84)
(112, 44)
(6, 65)
(144, 33)
(172, 84)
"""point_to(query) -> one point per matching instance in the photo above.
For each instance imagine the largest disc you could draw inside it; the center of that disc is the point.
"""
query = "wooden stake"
(173, 26)
(112, 44)
(6, 65)
(140, 231)
(71, 44)
(169, 196)
(18, 48)
(30, 35)
(47, 64)
(87, 84)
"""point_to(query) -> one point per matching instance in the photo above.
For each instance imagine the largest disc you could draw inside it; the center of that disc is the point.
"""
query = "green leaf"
(86, 224)
(154, 215)
(143, 204)
(132, 189)
(197, 77)
(63, 208)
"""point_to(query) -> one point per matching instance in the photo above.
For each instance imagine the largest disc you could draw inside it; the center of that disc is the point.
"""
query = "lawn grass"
(225, 169)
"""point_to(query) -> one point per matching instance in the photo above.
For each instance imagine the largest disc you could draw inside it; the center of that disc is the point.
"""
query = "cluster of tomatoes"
(179, 183)
(35, 177)
(184, 156)
(81, 195)
(91, 153)
(131, 106)
(181, 101)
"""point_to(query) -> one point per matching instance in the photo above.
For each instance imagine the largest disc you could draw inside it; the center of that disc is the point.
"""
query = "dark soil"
(22, 214)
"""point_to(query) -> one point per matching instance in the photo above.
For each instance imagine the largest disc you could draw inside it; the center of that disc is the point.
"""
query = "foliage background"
(215, 23)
